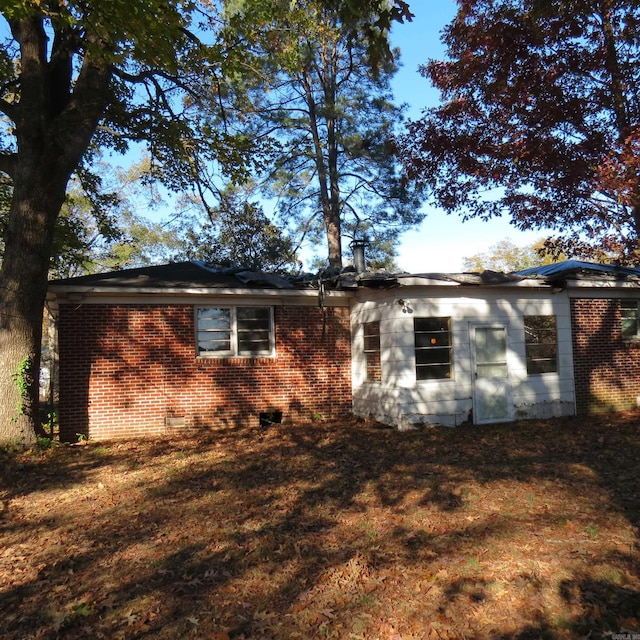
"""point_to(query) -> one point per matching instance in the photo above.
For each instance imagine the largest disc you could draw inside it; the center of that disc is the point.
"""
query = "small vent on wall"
(273, 416)
(174, 422)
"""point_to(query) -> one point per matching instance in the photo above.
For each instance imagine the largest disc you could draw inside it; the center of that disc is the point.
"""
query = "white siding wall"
(401, 400)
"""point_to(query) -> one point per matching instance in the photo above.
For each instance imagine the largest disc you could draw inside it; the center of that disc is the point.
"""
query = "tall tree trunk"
(328, 197)
(333, 221)
(326, 166)
(55, 120)
(23, 282)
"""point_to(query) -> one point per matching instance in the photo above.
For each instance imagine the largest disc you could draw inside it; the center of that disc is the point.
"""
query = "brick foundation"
(607, 369)
(131, 370)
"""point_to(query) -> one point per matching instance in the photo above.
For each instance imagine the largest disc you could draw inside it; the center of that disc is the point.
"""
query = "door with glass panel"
(492, 401)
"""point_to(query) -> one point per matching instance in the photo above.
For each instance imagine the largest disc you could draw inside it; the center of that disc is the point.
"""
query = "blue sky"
(441, 242)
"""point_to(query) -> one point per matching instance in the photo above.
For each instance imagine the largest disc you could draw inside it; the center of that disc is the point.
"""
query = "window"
(491, 352)
(629, 318)
(373, 371)
(541, 344)
(231, 331)
(434, 352)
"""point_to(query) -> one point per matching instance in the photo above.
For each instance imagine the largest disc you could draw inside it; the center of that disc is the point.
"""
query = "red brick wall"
(607, 369)
(125, 370)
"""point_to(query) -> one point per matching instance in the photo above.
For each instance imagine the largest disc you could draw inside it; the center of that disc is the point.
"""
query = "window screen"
(372, 352)
(541, 343)
(433, 348)
(629, 319)
(229, 331)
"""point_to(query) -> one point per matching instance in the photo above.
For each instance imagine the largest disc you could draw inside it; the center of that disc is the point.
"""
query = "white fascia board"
(112, 295)
(418, 281)
(602, 284)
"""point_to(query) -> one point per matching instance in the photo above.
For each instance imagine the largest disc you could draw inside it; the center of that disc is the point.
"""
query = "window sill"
(227, 360)
(544, 373)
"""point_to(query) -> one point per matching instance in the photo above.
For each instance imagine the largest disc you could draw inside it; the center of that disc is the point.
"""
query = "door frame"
(504, 382)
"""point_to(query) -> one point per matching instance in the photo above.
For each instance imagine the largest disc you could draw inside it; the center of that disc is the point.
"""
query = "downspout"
(321, 295)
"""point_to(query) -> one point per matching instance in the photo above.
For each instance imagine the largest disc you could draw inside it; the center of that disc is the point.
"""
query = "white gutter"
(84, 294)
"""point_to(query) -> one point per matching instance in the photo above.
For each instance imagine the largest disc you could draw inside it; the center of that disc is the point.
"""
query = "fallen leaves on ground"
(328, 530)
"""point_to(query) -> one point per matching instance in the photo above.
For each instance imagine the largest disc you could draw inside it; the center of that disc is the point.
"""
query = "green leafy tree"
(539, 120)
(309, 89)
(71, 75)
(90, 220)
(106, 233)
(75, 77)
(141, 242)
(79, 237)
(239, 234)
(506, 256)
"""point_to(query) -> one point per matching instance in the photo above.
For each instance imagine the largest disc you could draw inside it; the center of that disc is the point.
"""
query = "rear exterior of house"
(605, 321)
(606, 350)
(154, 350)
(188, 350)
(554, 340)
(447, 351)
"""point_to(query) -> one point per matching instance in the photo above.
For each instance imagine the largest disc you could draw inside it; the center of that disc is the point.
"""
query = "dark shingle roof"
(184, 276)
(178, 275)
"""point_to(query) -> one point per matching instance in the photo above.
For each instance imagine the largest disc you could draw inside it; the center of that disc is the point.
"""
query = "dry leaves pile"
(341, 530)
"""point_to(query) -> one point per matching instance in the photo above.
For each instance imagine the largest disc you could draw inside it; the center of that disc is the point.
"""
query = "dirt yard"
(340, 530)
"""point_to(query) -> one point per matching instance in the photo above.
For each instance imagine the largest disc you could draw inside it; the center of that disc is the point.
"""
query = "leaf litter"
(328, 530)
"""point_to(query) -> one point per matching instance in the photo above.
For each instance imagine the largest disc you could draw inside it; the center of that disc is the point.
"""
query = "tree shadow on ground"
(328, 530)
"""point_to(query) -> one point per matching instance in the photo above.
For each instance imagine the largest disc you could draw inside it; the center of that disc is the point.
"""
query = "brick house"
(151, 350)
(605, 319)
(145, 351)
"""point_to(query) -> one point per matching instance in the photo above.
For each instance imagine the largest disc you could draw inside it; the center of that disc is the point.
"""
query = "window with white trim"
(234, 331)
(373, 372)
(629, 318)
(433, 348)
(541, 344)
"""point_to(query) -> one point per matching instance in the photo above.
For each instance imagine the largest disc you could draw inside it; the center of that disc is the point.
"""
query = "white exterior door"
(492, 400)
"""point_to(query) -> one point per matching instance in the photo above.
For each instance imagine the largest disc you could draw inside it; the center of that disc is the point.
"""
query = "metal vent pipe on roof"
(358, 248)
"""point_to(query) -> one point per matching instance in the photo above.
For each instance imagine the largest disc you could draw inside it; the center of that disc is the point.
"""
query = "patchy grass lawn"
(341, 530)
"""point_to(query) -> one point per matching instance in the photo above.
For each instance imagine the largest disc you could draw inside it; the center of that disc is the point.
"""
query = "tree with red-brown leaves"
(539, 121)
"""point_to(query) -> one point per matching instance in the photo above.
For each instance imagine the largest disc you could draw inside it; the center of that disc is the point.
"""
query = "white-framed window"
(541, 344)
(629, 317)
(234, 331)
(373, 372)
(433, 348)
